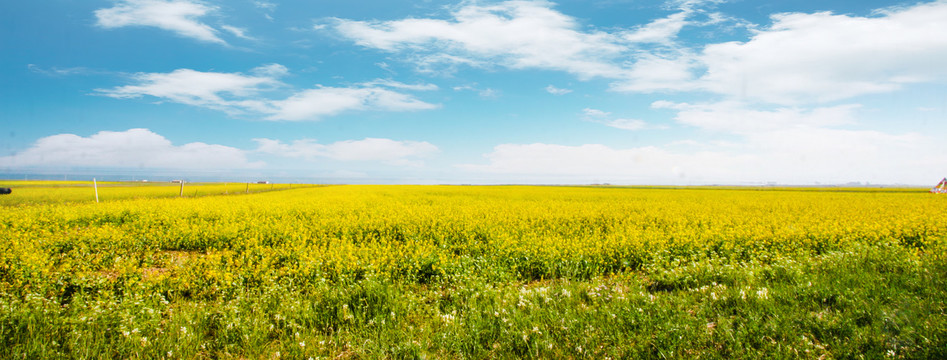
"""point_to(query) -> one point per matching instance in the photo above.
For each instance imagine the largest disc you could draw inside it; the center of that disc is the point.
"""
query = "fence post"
(182, 189)
(96, 187)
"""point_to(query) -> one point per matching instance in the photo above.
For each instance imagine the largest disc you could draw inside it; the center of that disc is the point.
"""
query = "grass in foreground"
(864, 302)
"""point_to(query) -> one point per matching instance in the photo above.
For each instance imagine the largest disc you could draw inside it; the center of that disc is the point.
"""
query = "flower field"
(472, 272)
(47, 192)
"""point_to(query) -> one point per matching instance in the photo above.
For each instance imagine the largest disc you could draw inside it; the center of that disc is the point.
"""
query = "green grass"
(879, 301)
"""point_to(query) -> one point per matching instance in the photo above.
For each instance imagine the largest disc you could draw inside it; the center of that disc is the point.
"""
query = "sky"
(676, 92)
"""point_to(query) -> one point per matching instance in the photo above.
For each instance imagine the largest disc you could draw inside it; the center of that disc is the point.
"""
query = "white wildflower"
(762, 293)
(447, 318)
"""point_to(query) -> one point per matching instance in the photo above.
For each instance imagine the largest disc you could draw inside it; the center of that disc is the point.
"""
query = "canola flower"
(48, 192)
(207, 246)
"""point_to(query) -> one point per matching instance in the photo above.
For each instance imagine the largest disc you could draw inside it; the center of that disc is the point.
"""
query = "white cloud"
(270, 70)
(265, 5)
(660, 31)
(134, 148)
(557, 91)
(532, 35)
(692, 4)
(799, 145)
(221, 91)
(808, 140)
(627, 124)
(585, 163)
(594, 113)
(799, 156)
(400, 85)
(57, 71)
(237, 93)
(660, 72)
(737, 118)
(515, 34)
(368, 149)
(238, 32)
(178, 16)
(325, 101)
(800, 58)
(824, 57)
(487, 93)
(789, 145)
(267, 8)
(602, 117)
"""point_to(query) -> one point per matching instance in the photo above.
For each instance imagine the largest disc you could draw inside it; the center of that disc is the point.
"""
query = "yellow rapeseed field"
(206, 245)
(470, 272)
(46, 192)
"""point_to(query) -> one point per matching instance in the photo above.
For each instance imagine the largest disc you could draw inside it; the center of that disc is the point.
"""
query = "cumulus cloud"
(738, 118)
(533, 35)
(661, 72)
(626, 124)
(659, 31)
(581, 164)
(486, 93)
(785, 144)
(824, 57)
(594, 113)
(325, 101)
(794, 145)
(822, 140)
(604, 118)
(799, 156)
(238, 93)
(222, 91)
(369, 149)
(557, 91)
(178, 16)
(515, 34)
(134, 148)
(400, 85)
(58, 71)
(799, 58)
(238, 32)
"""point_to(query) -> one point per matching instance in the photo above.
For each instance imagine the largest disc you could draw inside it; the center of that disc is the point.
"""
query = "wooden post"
(182, 189)
(96, 187)
(225, 189)
(248, 188)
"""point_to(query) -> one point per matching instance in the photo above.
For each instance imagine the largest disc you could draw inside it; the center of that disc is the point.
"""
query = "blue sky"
(568, 92)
